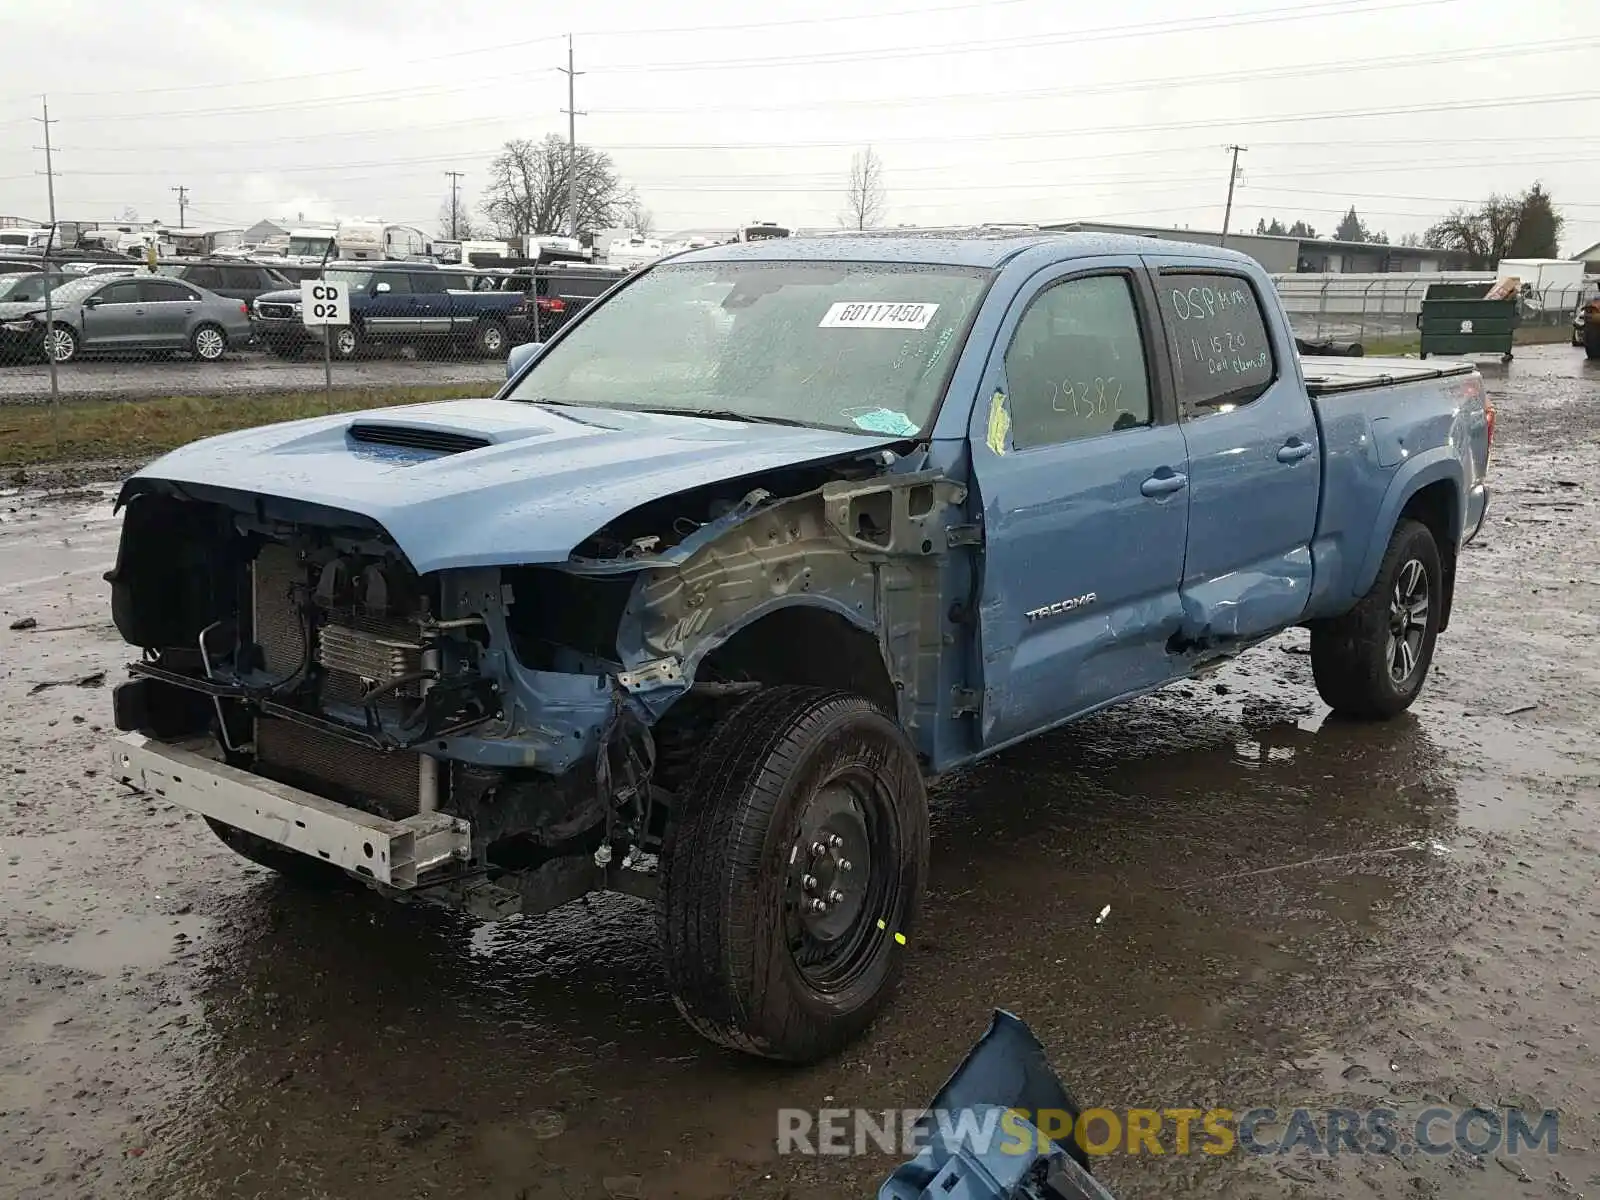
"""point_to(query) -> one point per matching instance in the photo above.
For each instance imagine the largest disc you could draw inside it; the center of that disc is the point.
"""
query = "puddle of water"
(114, 944)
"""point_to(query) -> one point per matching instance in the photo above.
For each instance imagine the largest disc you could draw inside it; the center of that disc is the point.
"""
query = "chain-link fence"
(116, 326)
(1386, 308)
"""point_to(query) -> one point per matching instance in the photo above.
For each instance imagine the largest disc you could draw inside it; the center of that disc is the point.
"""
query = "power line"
(1328, 8)
(1294, 71)
(920, 12)
(183, 199)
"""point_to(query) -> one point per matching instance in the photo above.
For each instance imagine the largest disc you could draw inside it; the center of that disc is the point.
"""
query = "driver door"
(115, 317)
(1082, 473)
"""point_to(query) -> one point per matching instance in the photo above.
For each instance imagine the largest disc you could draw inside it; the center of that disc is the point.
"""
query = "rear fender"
(1427, 468)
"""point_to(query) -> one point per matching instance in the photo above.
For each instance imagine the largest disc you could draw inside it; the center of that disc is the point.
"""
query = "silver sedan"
(109, 314)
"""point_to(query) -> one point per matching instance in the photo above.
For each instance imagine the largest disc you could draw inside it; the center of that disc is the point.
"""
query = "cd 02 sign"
(324, 303)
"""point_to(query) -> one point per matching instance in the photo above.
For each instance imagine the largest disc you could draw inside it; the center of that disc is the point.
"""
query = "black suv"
(232, 278)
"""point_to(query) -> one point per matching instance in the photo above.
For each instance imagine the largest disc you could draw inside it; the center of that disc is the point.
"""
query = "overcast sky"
(721, 112)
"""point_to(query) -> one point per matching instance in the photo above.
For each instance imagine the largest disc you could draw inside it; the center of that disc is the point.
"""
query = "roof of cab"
(949, 251)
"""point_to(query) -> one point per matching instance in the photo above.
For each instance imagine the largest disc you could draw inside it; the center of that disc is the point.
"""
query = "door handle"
(1293, 452)
(1163, 485)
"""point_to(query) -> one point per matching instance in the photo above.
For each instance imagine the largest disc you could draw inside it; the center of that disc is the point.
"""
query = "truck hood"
(281, 296)
(548, 478)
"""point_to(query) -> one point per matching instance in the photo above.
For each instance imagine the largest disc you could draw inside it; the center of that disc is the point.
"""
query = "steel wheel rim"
(842, 885)
(61, 345)
(346, 341)
(208, 344)
(491, 340)
(1408, 620)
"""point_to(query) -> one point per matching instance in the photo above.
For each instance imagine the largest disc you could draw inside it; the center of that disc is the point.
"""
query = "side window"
(156, 291)
(1076, 364)
(241, 278)
(120, 293)
(428, 284)
(448, 281)
(1219, 339)
(399, 285)
(206, 277)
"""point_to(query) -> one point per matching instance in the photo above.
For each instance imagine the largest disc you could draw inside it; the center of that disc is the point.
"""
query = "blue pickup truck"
(417, 304)
(761, 542)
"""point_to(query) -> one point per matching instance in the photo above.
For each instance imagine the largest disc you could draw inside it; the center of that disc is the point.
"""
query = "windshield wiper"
(725, 414)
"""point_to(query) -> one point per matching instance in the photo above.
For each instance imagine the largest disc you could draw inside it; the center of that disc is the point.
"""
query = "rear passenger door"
(1254, 454)
(1081, 472)
(169, 305)
(430, 304)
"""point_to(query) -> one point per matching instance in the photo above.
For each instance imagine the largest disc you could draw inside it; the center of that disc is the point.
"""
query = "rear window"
(1219, 338)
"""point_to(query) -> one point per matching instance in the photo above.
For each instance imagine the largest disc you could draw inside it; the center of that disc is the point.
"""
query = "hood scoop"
(406, 437)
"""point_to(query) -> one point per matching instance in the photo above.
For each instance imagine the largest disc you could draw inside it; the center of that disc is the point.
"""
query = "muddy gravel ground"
(1302, 912)
(133, 378)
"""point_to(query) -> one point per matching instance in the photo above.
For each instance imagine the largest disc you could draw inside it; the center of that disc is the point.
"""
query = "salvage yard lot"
(1302, 912)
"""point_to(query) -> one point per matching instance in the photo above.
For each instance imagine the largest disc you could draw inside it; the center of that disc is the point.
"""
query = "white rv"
(634, 251)
(364, 241)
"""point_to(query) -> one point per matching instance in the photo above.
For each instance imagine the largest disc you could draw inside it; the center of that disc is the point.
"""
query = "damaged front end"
(508, 737)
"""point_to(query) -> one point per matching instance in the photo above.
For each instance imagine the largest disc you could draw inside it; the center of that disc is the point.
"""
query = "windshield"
(837, 345)
(305, 247)
(71, 293)
(15, 289)
(358, 280)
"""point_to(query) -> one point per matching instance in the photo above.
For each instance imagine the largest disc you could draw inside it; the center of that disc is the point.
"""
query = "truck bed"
(1331, 376)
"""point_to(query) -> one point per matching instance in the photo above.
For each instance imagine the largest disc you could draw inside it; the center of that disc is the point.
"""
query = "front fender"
(1428, 468)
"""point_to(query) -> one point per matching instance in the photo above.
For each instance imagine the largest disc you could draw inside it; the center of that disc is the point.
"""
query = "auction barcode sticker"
(849, 314)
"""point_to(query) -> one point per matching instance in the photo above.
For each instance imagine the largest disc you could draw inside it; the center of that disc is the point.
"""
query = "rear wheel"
(491, 340)
(1372, 662)
(792, 872)
(291, 864)
(208, 343)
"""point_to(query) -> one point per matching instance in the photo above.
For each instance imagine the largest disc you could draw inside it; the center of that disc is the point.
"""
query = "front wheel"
(61, 344)
(791, 873)
(1371, 663)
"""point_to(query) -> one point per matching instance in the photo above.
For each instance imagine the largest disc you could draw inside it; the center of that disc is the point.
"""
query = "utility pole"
(572, 139)
(1233, 174)
(183, 203)
(455, 189)
(49, 288)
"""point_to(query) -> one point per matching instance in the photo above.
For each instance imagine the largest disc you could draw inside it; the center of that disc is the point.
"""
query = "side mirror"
(520, 356)
(380, 288)
(94, 302)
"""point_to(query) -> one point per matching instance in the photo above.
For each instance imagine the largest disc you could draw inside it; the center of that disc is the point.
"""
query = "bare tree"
(1524, 226)
(864, 203)
(527, 188)
(639, 218)
(456, 226)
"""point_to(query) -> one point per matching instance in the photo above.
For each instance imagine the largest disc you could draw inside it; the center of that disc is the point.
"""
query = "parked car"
(560, 291)
(24, 285)
(234, 279)
(1586, 325)
(770, 535)
(394, 303)
(101, 313)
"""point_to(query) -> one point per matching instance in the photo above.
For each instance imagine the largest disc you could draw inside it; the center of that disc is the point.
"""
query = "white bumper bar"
(376, 848)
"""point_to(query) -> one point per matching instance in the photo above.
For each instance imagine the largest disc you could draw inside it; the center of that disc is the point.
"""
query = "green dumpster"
(1456, 319)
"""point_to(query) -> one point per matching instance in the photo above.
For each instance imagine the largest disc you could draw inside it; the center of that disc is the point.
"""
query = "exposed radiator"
(385, 782)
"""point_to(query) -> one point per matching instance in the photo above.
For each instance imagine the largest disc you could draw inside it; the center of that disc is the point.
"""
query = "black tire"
(348, 341)
(291, 864)
(1356, 659)
(208, 343)
(732, 889)
(491, 340)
